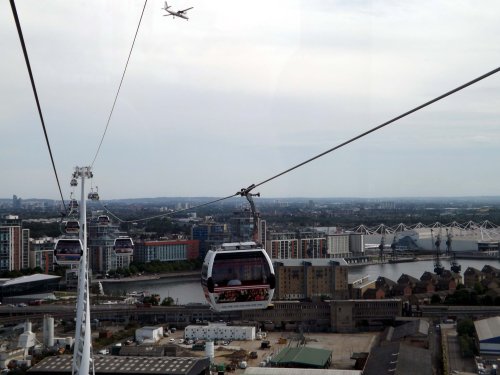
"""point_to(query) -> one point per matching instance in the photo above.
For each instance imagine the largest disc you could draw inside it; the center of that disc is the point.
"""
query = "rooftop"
(126, 365)
(487, 328)
(297, 371)
(28, 279)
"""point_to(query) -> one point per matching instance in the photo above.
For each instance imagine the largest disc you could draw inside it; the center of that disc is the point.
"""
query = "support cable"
(167, 214)
(381, 125)
(120, 86)
(26, 58)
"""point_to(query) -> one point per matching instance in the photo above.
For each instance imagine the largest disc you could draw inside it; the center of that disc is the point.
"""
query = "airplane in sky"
(179, 13)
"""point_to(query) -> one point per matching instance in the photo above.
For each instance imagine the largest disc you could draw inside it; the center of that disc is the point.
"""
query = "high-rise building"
(241, 224)
(16, 202)
(283, 245)
(102, 234)
(41, 254)
(338, 245)
(12, 248)
(25, 248)
(312, 245)
(210, 235)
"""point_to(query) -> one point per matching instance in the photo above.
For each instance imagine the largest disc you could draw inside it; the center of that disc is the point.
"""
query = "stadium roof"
(487, 328)
(304, 357)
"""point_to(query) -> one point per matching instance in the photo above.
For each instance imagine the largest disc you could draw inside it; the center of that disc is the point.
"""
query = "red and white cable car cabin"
(238, 276)
(123, 245)
(72, 227)
(68, 251)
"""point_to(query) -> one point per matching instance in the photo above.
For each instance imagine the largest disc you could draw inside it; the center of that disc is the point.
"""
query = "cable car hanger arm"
(248, 195)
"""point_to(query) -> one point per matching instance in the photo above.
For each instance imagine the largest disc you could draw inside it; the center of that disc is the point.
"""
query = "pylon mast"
(83, 338)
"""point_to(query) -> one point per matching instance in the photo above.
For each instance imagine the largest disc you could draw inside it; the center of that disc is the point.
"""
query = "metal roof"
(398, 359)
(126, 365)
(313, 357)
(314, 261)
(298, 371)
(30, 279)
(487, 328)
(414, 361)
(413, 328)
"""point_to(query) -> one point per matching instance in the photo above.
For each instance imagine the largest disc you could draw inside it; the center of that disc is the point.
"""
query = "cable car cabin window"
(123, 244)
(240, 269)
(72, 227)
(103, 220)
(69, 248)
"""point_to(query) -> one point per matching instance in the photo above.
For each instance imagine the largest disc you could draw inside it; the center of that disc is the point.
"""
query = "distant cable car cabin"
(68, 251)
(103, 220)
(94, 196)
(73, 205)
(123, 245)
(238, 276)
(72, 227)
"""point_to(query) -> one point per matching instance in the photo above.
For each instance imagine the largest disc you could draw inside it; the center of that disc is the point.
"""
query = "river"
(188, 290)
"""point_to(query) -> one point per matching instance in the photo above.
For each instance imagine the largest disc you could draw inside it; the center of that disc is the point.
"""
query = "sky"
(245, 90)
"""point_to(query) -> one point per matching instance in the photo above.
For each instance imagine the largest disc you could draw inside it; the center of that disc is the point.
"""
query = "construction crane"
(438, 267)
(449, 235)
(393, 248)
(454, 266)
(381, 247)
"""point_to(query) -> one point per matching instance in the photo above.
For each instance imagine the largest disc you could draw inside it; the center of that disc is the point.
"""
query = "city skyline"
(241, 92)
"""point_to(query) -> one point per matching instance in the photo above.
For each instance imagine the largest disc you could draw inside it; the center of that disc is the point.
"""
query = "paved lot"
(342, 345)
(455, 360)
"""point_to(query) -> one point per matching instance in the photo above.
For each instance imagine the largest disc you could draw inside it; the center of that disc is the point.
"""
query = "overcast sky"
(247, 89)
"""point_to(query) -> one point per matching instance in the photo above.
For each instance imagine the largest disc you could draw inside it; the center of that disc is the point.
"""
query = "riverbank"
(157, 276)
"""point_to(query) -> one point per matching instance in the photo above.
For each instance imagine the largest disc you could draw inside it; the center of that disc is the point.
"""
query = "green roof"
(308, 357)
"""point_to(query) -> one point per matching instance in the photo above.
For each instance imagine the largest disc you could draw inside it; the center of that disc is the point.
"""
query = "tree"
(479, 288)
(465, 327)
(154, 299)
(133, 269)
(487, 300)
(466, 346)
(435, 299)
(167, 301)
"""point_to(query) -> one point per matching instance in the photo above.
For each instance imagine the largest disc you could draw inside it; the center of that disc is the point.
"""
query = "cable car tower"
(83, 339)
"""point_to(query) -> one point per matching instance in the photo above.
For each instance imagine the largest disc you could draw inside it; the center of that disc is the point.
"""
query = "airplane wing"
(185, 10)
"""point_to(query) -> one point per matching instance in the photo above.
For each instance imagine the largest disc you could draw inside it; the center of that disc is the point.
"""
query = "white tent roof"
(488, 328)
